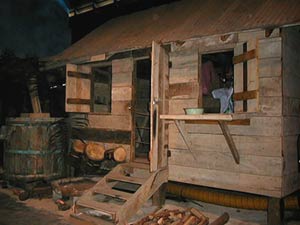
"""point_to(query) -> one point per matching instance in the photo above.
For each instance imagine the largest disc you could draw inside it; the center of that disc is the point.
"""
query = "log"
(223, 219)
(78, 146)
(95, 151)
(203, 219)
(118, 154)
(190, 220)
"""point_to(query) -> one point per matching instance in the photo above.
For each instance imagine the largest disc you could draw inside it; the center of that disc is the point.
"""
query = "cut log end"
(78, 146)
(119, 154)
(95, 151)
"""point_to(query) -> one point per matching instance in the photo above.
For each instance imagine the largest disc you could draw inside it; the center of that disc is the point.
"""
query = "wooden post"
(275, 211)
(159, 197)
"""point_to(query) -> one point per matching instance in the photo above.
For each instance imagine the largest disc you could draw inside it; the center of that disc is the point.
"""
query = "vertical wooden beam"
(159, 105)
(159, 197)
(92, 102)
(245, 78)
(200, 97)
(275, 211)
(133, 108)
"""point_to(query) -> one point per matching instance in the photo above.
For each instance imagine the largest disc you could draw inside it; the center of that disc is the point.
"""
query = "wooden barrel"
(29, 154)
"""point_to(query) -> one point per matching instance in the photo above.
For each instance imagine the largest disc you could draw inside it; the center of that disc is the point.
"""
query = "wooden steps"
(113, 193)
(124, 178)
(117, 204)
(107, 209)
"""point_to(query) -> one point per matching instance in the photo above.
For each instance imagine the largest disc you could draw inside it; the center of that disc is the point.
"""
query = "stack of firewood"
(175, 217)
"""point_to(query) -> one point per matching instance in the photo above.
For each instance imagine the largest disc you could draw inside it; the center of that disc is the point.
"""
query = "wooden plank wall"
(291, 108)
(120, 118)
(259, 144)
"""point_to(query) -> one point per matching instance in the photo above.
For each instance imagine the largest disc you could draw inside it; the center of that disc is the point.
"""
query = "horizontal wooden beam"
(102, 135)
(79, 75)
(244, 57)
(208, 116)
(241, 96)
(242, 122)
(78, 101)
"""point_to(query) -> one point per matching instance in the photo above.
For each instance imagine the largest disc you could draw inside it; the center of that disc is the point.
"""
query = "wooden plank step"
(128, 179)
(113, 193)
(91, 219)
(144, 166)
(105, 207)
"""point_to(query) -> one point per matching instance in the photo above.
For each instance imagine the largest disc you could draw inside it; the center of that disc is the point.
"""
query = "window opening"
(142, 111)
(217, 75)
(102, 89)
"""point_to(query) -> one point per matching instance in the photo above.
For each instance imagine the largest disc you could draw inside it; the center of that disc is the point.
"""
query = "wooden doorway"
(142, 111)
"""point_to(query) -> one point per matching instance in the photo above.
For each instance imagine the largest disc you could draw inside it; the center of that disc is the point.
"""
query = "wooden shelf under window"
(207, 116)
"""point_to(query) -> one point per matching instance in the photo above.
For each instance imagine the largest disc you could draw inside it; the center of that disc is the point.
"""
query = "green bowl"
(193, 111)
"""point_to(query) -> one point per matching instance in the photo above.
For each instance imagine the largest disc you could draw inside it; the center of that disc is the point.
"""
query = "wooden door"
(159, 105)
(78, 88)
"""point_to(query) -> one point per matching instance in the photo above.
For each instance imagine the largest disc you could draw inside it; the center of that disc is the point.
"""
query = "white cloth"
(224, 94)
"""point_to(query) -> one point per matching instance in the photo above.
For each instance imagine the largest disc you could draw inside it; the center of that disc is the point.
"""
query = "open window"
(229, 80)
(102, 82)
(217, 78)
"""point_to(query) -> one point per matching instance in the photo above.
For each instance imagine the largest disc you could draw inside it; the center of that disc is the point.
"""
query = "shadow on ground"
(16, 213)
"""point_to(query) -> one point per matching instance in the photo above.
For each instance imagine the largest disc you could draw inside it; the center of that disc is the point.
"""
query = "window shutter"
(78, 88)
(245, 77)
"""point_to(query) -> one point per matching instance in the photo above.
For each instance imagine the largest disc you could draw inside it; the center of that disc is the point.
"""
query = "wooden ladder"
(116, 205)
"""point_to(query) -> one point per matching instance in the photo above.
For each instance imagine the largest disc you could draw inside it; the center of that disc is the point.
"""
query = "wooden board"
(122, 65)
(102, 135)
(121, 93)
(290, 183)
(159, 105)
(184, 91)
(270, 67)
(223, 161)
(291, 125)
(265, 185)
(185, 67)
(246, 145)
(263, 126)
(245, 95)
(238, 77)
(270, 48)
(289, 150)
(291, 106)
(208, 44)
(77, 88)
(270, 86)
(115, 122)
(244, 57)
(205, 116)
(270, 105)
(122, 79)
(121, 108)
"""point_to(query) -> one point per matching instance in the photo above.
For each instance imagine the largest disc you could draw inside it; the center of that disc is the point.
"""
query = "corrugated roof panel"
(183, 20)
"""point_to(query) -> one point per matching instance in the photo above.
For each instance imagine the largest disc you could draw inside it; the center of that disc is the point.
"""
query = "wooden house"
(134, 76)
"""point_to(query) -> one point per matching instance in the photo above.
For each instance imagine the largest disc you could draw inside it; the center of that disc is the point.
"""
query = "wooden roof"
(180, 21)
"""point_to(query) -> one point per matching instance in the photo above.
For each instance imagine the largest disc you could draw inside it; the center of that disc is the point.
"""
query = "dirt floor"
(45, 212)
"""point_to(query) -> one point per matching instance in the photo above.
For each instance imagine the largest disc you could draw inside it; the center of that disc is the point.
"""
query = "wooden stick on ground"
(223, 219)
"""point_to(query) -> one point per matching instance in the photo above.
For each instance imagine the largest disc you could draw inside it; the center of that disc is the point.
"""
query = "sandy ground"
(45, 212)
